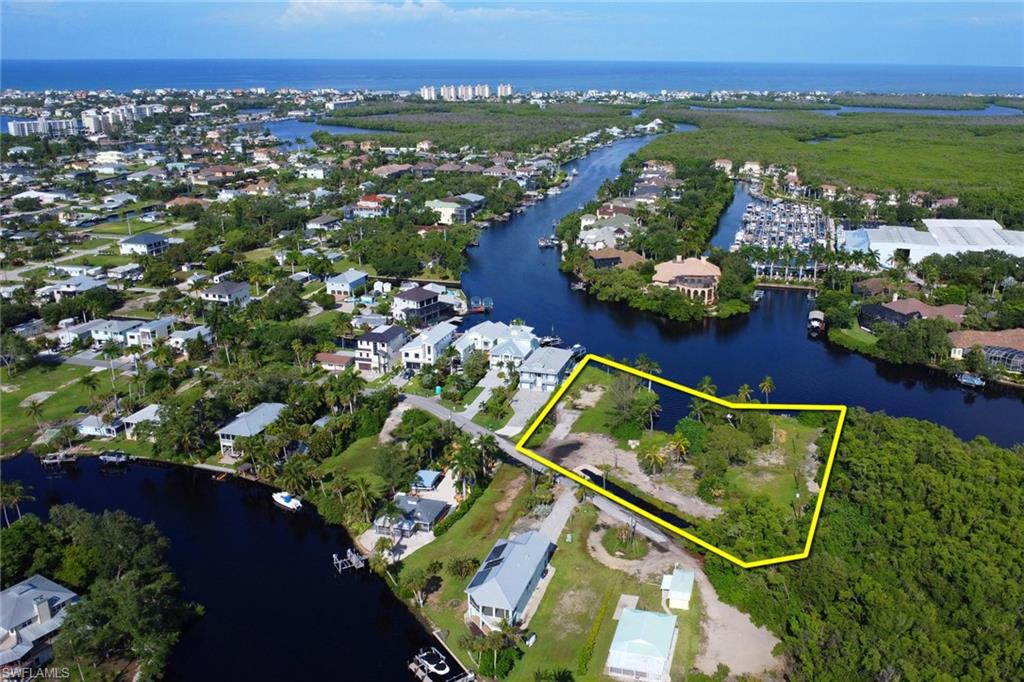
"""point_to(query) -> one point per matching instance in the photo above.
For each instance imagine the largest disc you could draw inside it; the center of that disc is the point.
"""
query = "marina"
(780, 224)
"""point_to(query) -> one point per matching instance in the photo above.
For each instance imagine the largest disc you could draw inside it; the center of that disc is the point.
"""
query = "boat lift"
(351, 560)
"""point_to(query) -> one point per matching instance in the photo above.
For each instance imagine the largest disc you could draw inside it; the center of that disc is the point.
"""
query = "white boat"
(287, 501)
(433, 660)
(113, 457)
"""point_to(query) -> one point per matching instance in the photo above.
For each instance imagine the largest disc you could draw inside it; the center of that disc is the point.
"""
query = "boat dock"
(351, 560)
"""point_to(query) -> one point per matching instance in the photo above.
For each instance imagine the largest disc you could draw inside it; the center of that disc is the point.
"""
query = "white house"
(149, 413)
(94, 426)
(378, 349)
(428, 346)
(114, 330)
(247, 424)
(179, 339)
(145, 335)
(545, 369)
(502, 343)
(642, 647)
(346, 284)
(73, 287)
(323, 222)
(418, 306)
(228, 293)
(145, 244)
(33, 610)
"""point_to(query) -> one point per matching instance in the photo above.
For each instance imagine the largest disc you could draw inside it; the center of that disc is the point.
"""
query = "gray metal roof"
(547, 360)
(18, 605)
(505, 574)
(145, 239)
(253, 422)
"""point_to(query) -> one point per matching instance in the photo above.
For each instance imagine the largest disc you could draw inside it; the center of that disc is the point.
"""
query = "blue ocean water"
(523, 75)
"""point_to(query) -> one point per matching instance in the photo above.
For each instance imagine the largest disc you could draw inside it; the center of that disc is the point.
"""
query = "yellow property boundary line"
(841, 409)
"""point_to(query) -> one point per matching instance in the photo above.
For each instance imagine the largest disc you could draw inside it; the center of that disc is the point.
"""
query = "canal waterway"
(525, 282)
(274, 606)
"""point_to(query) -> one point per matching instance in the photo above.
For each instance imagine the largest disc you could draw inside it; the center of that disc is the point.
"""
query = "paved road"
(442, 412)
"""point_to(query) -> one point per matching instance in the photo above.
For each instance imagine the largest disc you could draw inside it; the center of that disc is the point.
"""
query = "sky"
(943, 33)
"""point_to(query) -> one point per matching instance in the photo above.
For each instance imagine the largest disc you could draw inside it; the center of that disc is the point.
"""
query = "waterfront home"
(149, 413)
(752, 168)
(115, 331)
(419, 306)
(32, 612)
(501, 342)
(456, 210)
(643, 646)
(334, 362)
(81, 333)
(378, 349)
(129, 272)
(247, 424)
(72, 286)
(146, 334)
(506, 580)
(614, 258)
(371, 206)
(145, 244)
(951, 312)
(428, 346)
(417, 514)
(870, 314)
(228, 293)
(723, 165)
(545, 369)
(324, 222)
(1003, 349)
(695, 277)
(178, 340)
(606, 232)
(346, 284)
(94, 426)
(677, 588)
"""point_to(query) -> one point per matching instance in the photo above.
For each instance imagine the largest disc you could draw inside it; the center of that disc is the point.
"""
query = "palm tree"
(680, 445)
(392, 513)
(488, 447)
(16, 493)
(35, 410)
(652, 459)
(697, 408)
(110, 351)
(647, 365)
(364, 496)
(706, 386)
(744, 393)
(767, 387)
(92, 383)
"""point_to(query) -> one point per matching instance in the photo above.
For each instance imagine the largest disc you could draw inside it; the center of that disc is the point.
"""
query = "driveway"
(525, 404)
(490, 381)
(561, 510)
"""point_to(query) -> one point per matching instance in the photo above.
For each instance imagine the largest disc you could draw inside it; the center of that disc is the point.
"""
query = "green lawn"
(137, 227)
(628, 549)
(94, 243)
(489, 422)
(345, 264)
(258, 254)
(103, 260)
(357, 460)
(776, 481)
(19, 429)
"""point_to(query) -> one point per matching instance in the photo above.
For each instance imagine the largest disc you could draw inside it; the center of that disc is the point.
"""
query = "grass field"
(102, 260)
(94, 243)
(137, 227)
(357, 460)
(19, 429)
(869, 151)
(776, 481)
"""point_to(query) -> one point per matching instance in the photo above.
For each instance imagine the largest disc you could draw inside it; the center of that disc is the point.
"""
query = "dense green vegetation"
(871, 152)
(517, 127)
(131, 608)
(916, 567)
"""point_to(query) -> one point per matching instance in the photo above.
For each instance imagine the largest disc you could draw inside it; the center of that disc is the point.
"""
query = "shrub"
(587, 650)
(445, 524)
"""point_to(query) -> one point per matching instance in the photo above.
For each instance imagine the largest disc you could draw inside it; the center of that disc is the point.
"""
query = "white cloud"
(315, 11)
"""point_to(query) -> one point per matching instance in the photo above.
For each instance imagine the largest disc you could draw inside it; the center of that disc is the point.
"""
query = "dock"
(352, 560)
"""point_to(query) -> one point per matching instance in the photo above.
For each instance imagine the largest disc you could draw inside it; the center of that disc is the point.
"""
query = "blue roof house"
(248, 424)
(643, 646)
(506, 579)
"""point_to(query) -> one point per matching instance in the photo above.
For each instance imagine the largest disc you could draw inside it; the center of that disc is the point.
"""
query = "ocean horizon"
(524, 75)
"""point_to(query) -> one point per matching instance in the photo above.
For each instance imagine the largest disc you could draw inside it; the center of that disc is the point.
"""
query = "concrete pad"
(626, 601)
(524, 405)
